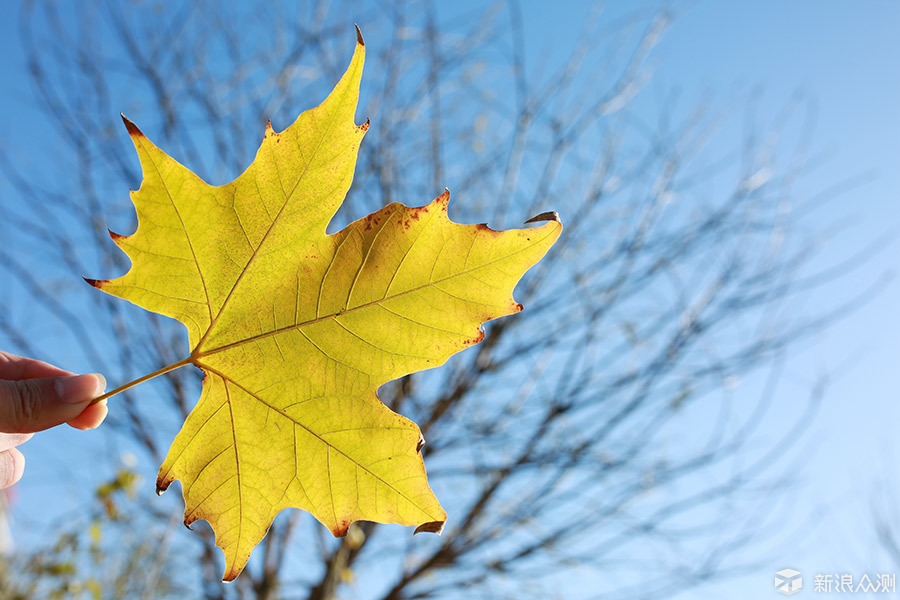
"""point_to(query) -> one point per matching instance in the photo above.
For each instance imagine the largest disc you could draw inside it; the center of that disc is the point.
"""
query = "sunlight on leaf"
(295, 330)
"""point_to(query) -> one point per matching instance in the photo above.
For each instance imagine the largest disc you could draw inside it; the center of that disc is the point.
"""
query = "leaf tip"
(115, 236)
(133, 130)
(550, 215)
(430, 527)
(421, 443)
(97, 283)
(162, 485)
(359, 37)
(365, 126)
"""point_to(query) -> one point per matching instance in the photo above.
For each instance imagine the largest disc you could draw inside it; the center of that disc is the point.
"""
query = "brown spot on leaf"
(519, 307)
(443, 200)
(372, 221)
(131, 127)
(483, 228)
(430, 527)
(421, 443)
(365, 126)
(115, 236)
(341, 529)
(359, 38)
(475, 340)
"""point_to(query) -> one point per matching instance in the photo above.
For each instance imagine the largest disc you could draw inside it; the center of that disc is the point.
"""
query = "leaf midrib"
(331, 121)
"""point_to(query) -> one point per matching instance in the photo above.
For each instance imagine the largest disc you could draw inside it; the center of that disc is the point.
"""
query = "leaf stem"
(156, 373)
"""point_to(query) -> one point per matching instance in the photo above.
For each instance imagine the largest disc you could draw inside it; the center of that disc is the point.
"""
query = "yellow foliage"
(295, 329)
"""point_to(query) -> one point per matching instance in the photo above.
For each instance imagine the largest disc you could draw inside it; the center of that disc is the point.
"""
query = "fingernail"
(78, 389)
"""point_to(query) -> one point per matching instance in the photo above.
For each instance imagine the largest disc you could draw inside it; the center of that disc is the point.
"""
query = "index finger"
(15, 367)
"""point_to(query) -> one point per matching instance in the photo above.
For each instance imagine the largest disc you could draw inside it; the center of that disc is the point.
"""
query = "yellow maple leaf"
(296, 330)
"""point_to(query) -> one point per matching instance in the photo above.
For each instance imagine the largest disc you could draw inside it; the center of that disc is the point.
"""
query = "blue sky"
(840, 58)
(843, 58)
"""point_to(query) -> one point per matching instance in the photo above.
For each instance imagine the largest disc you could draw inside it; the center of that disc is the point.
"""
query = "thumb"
(30, 405)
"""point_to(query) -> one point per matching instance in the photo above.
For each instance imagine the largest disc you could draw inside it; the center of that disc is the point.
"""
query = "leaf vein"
(181, 219)
(319, 437)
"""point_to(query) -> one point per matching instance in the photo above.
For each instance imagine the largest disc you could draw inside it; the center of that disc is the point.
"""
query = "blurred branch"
(570, 438)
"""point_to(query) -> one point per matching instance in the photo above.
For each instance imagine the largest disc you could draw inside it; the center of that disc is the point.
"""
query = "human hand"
(35, 396)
